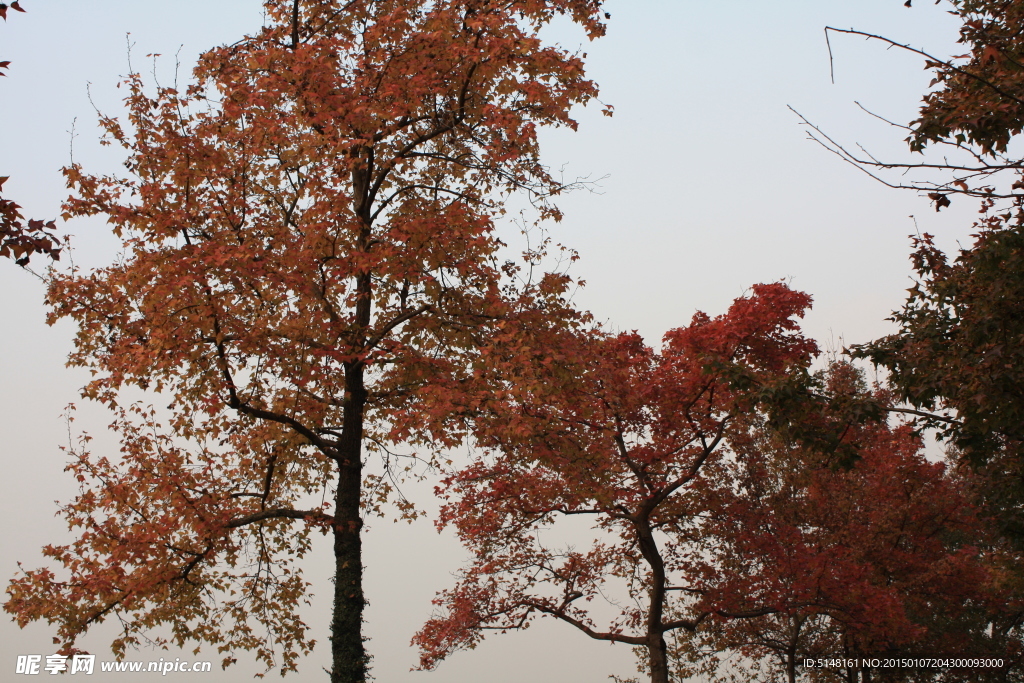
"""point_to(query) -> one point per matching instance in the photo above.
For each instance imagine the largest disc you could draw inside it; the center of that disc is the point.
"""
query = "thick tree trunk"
(349, 657)
(657, 651)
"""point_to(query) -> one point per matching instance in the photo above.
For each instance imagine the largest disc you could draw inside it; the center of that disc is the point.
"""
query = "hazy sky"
(709, 186)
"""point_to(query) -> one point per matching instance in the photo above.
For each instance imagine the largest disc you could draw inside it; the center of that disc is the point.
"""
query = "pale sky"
(709, 186)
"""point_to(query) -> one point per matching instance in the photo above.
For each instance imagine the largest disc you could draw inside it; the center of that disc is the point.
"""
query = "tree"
(608, 429)
(884, 556)
(977, 108)
(957, 353)
(956, 348)
(19, 240)
(309, 249)
(750, 510)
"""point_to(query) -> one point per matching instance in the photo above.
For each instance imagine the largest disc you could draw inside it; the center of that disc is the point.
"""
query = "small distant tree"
(607, 429)
(309, 246)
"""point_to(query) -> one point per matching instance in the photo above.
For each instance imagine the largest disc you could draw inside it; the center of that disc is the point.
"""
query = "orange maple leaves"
(309, 246)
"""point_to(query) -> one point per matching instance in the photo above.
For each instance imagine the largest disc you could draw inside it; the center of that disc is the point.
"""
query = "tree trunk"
(349, 658)
(657, 651)
(797, 624)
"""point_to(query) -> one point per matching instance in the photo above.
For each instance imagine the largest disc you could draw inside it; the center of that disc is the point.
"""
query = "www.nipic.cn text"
(31, 665)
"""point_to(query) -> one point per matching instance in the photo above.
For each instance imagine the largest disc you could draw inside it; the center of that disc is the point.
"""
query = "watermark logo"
(33, 665)
(28, 664)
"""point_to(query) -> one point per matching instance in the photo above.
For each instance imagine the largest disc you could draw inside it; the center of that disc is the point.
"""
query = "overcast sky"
(708, 186)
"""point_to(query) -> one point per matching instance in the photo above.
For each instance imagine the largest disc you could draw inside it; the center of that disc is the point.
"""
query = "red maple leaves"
(733, 496)
(887, 555)
(16, 6)
(19, 240)
(611, 431)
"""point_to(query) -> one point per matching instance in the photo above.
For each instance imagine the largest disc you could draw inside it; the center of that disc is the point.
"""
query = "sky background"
(707, 186)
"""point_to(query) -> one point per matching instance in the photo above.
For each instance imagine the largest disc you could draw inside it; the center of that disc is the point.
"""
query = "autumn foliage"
(629, 438)
(979, 98)
(885, 556)
(311, 275)
(19, 239)
(308, 235)
(741, 507)
(975, 102)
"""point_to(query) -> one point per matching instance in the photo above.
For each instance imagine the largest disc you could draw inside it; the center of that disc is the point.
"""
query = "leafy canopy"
(308, 250)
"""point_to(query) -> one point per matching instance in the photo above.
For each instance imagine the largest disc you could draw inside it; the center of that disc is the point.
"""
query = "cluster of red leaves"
(608, 429)
(19, 240)
(887, 556)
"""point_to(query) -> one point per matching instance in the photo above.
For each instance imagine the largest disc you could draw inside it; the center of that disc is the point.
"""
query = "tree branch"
(279, 513)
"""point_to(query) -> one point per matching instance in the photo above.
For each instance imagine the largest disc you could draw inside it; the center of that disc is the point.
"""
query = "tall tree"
(309, 247)
(956, 352)
(611, 431)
